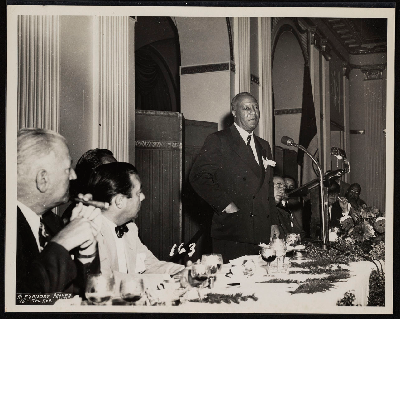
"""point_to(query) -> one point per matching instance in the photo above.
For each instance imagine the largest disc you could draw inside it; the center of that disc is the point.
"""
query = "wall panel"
(159, 162)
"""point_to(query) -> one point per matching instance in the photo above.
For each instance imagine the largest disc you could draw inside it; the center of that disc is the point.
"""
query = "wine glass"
(213, 262)
(279, 246)
(99, 288)
(131, 288)
(268, 255)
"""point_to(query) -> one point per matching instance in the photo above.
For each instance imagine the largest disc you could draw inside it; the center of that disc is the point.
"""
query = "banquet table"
(259, 294)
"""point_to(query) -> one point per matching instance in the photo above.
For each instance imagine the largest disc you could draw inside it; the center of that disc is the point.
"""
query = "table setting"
(281, 278)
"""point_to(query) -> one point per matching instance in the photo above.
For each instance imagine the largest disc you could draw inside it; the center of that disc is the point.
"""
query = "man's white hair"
(34, 144)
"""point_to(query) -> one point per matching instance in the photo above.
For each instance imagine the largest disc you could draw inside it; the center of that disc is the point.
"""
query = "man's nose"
(72, 175)
(142, 196)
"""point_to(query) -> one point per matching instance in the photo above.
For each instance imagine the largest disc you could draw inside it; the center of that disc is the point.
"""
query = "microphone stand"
(324, 210)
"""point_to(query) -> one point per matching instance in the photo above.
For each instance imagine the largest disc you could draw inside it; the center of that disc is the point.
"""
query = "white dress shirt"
(120, 244)
(244, 134)
(33, 220)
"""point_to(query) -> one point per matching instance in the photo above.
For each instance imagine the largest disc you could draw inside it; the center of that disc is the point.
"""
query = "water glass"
(99, 288)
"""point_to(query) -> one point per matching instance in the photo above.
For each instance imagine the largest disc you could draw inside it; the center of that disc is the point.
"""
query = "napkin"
(240, 260)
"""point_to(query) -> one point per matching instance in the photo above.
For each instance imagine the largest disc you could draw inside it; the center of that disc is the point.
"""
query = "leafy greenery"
(376, 295)
(323, 284)
(226, 298)
(313, 286)
(347, 300)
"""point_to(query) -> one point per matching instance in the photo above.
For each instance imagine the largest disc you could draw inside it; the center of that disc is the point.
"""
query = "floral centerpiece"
(361, 236)
(367, 224)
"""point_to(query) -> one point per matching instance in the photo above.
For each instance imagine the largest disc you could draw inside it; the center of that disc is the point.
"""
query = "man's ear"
(42, 180)
(120, 201)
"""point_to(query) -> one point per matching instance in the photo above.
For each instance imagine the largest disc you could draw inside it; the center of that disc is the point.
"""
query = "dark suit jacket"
(52, 270)
(285, 221)
(226, 171)
(336, 214)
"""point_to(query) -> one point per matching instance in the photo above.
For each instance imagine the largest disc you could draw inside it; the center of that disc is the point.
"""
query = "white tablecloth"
(272, 297)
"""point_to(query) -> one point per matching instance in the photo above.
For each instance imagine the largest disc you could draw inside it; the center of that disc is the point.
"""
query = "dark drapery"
(152, 92)
(308, 124)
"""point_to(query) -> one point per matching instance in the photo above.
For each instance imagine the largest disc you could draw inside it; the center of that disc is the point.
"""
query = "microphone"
(288, 141)
(338, 153)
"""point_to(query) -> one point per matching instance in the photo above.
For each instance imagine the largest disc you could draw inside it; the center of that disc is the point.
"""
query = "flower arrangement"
(365, 225)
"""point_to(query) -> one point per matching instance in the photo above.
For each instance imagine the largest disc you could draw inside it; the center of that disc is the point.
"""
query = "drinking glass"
(213, 262)
(131, 288)
(279, 246)
(99, 288)
(268, 255)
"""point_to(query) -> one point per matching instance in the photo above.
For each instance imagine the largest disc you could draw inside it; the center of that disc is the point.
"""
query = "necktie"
(120, 230)
(248, 139)
(44, 237)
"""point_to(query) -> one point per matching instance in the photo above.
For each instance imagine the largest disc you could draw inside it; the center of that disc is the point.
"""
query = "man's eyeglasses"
(279, 185)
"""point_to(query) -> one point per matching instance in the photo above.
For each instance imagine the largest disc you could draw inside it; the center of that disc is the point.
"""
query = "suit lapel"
(25, 233)
(244, 152)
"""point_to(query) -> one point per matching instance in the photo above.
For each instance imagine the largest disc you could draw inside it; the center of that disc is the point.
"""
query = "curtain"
(152, 92)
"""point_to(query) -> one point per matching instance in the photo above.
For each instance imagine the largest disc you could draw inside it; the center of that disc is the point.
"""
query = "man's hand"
(344, 204)
(274, 231)
(89, 213)
(231, 208)
(77, 233)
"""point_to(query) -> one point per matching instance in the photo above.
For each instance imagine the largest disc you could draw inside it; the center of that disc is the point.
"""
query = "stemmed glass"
(279, 246)
(268, 255)
(213, 263)
(131, 289)
(99, 288)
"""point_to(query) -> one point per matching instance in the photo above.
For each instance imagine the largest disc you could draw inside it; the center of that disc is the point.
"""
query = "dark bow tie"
(120, 230)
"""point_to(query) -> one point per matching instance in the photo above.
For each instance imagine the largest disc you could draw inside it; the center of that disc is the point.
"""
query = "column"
(265, 68)
(110, 86)
(375, 142)
(39, 72)
(241, 50)
(346, 103)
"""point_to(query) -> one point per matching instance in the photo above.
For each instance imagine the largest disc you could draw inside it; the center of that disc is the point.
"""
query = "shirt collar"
(244, 134)
(109, 222)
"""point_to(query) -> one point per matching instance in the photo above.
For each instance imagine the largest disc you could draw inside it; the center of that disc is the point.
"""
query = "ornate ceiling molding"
(352, 39)
(371, 72)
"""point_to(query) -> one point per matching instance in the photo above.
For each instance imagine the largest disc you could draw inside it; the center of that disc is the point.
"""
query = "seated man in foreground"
(44, 263)
(120, 248)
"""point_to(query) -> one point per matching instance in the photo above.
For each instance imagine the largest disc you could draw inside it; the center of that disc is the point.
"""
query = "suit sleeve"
(154, 265)
(204, 174)
(52, 271)
(55, 271)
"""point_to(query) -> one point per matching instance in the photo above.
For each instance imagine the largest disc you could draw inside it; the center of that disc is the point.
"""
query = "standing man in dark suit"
(233, 173)
(44, 263)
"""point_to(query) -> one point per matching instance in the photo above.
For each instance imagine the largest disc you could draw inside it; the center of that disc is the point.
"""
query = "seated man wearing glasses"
(286, 221)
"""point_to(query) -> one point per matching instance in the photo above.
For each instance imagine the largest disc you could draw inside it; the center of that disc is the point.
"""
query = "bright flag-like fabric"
(308, 130)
